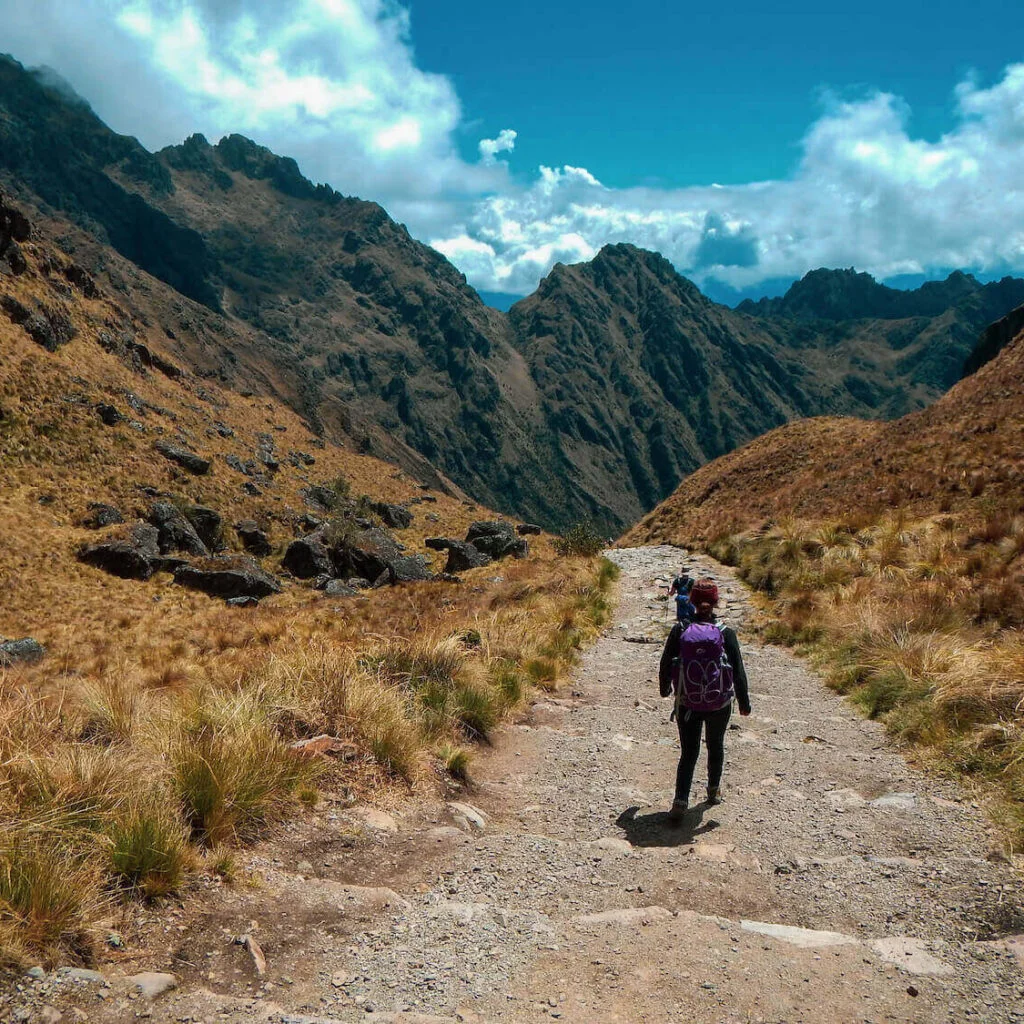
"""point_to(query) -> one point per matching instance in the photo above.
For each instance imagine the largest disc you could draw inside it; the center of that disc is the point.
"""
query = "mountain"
(965, 451)
(848, 295)
(591, 398)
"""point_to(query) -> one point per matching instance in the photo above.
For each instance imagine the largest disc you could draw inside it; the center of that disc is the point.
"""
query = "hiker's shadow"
(658, 829)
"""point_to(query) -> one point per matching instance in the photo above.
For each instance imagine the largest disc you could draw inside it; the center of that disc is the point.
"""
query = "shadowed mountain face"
(963, 453)
(590, 398)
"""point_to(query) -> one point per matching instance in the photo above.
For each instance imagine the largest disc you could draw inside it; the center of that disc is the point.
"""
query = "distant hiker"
(701, 664)
(680, 589)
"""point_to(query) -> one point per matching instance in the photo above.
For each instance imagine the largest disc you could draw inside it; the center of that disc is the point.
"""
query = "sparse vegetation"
(581, 539)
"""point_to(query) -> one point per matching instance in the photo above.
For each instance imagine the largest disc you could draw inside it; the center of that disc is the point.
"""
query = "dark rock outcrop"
(528, 530)
(375, 555)
(404, 569)
(101, 515)
(25, 651)
(253, 539)
(183, 457)
(228, 576)
(397, 517)
(209, 524)
(308, 557)
(133, 554)
(49, 326)
(108, 414)
(176, 533)
(463, 556)
(497, 538)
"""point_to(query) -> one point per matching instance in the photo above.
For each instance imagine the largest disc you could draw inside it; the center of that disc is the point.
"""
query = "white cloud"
(865, 192)
(504, 143)
(335, 84)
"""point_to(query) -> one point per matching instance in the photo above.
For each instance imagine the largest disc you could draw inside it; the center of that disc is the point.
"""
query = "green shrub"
(582, 539)
(148, 850)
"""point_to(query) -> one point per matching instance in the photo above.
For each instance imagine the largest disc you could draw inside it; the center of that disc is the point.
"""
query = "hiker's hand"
(745, 714)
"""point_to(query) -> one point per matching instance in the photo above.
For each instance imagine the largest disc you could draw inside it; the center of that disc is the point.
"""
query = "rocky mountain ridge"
(591, 398)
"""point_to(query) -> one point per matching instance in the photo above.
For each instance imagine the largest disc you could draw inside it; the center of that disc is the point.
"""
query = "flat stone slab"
(467, 815)
(462, 913)
(374, 818)
(806, 938)
(612, 845)
(845, 799)
(896, 801)
(151, 984)
(627, 916)
(909, 955)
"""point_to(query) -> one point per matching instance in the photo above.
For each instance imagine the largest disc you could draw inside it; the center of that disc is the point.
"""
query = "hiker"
(701, 664)
(680, 589)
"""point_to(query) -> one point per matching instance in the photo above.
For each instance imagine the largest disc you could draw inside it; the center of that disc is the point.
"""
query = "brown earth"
(836, 882)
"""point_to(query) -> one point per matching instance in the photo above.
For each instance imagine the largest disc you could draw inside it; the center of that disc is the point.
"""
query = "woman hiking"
(702, 666)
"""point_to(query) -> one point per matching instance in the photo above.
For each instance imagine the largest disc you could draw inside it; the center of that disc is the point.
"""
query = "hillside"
(211, 615)
(590, 399)
(965, 450)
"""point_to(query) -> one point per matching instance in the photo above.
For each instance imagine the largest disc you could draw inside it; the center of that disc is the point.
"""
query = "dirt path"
(835, 884)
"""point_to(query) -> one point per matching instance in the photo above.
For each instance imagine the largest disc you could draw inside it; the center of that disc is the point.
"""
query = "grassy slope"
(894, 553)
(155, 733)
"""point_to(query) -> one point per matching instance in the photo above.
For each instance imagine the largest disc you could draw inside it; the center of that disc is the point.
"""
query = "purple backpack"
(705, 680)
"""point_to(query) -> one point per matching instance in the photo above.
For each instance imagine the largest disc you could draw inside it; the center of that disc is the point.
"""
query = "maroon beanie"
(704, 591)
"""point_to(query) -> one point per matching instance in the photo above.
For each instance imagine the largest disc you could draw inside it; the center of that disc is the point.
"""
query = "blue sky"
(672, 94)
(747, 142)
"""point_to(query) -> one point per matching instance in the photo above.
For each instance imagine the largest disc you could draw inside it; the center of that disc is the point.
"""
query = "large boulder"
(405, 569)
(307, 557)
(528, 529)
(207, 522)
(133, 554)
(463, 556)
(374, 554)
(24, 651)
(497, 538)
(253, 539)
(228, 576)
(183, 457)
(101, 515)
(398, 517)
(176, 533)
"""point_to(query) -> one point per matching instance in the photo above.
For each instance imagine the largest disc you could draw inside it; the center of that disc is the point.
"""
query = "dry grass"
(121, 770)
(920, 622)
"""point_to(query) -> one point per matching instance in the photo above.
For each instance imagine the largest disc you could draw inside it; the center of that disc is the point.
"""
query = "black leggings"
(690, 723)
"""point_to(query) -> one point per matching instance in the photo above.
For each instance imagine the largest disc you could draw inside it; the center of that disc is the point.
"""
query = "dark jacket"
(732, 651)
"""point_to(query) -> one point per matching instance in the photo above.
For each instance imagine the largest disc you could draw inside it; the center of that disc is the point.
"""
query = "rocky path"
(835, 884)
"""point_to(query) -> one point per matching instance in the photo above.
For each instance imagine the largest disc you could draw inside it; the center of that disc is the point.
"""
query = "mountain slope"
(965, 451)
(591, 398)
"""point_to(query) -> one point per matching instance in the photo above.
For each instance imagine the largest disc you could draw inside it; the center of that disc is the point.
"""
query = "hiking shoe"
(677, 813)
(714, 796)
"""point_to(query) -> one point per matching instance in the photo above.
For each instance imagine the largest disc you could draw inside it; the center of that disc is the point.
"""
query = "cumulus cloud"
(504, 143)
(865, 192)
(335, 84)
